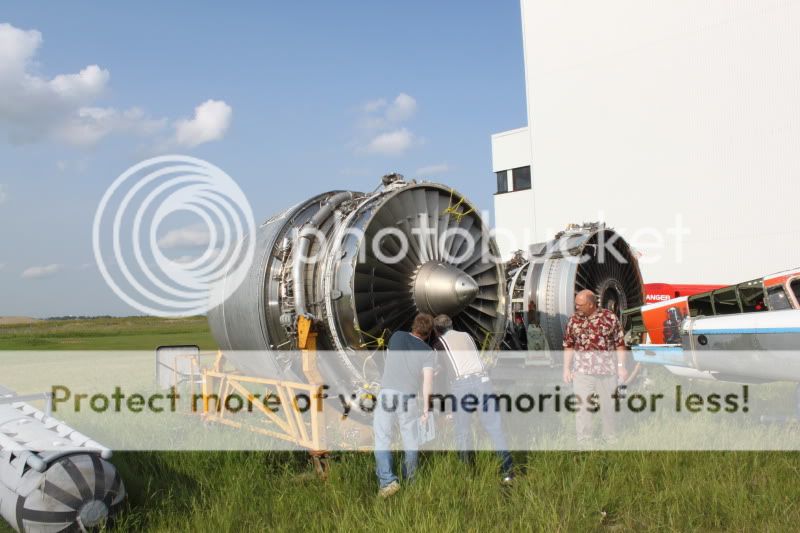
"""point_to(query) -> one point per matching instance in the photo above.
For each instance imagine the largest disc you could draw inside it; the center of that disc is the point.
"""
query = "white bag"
(426, 431)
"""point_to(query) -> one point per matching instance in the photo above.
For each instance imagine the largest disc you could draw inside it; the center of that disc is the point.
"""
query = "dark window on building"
(502, 181)
(522, 178)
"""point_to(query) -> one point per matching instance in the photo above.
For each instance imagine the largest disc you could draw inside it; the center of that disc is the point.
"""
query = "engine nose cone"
(466, 289)
(443, 289)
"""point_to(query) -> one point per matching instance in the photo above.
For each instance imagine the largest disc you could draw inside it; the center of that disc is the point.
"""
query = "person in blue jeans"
(409, 364)
(469, 377)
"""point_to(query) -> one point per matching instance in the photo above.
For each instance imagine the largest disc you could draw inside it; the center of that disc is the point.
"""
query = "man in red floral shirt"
(594, 355)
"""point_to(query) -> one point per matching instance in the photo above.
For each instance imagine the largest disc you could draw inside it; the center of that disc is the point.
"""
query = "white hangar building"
(678, 123)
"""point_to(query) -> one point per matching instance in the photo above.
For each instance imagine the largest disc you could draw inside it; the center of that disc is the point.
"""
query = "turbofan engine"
(589, 256)
(361, 266)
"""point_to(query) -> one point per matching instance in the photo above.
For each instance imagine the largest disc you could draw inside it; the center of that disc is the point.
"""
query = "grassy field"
(555, 491)
(132, 333)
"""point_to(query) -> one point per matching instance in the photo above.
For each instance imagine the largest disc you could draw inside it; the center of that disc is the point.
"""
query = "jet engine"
(588, 256)
(361, 265)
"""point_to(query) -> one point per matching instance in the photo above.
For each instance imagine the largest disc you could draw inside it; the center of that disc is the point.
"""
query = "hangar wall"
(677, 122)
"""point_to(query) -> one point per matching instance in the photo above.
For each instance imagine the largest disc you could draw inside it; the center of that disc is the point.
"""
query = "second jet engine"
(589, 256)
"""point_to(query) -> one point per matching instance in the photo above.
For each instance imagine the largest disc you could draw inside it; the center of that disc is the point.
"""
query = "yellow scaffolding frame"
(291, 424)
(305, 427)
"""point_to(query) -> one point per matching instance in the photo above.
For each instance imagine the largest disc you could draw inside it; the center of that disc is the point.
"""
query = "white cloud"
(64, 108)
(17, 46)
(3, 193)
(380, 120)
(31, 106)
(210, 122)
(391, 143)
(380, 114)
(402, 108)
(86, 84)
(34, 108)
(91, 124)
(2, 266)
(38, 272)
(196, 235)
(433, 170)
(374, 105)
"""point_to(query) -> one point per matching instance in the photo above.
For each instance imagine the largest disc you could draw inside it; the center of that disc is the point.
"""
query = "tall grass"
(554, 491)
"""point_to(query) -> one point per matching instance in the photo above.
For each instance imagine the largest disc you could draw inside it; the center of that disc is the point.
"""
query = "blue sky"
(276, 94)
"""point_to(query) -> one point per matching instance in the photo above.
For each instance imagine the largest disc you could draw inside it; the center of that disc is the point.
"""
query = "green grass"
(556, 491)
(131, 333)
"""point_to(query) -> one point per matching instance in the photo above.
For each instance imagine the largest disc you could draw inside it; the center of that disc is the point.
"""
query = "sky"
(290, 99)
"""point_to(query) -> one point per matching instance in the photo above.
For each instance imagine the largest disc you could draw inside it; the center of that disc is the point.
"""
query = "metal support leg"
(321, 464)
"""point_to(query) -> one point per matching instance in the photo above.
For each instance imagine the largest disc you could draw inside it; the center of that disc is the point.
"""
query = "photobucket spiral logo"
(132, 241)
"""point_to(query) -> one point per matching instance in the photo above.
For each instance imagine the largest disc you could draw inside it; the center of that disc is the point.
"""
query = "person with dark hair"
(470, 378)
(409, 364)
